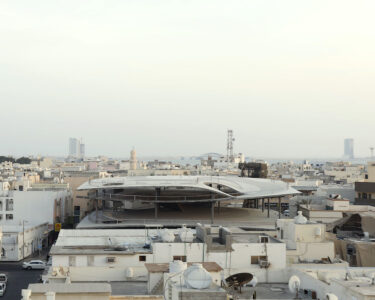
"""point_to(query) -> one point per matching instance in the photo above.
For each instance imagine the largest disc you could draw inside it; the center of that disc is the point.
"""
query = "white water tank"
(177, 266)
(331, 296)
(300, 219)
(294, 284)
(166, 236)
(196, 277)
(186, 235)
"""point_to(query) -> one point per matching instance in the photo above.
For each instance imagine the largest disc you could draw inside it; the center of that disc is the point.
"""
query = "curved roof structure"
(226, 187)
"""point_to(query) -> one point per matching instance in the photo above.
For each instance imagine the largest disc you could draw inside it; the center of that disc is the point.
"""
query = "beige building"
(79, 207)
(365, 190)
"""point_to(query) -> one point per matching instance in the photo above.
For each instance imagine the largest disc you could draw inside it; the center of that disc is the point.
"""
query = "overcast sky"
(291, 78)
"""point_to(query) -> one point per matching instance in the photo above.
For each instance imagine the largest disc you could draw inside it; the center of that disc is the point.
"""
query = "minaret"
(133, 160)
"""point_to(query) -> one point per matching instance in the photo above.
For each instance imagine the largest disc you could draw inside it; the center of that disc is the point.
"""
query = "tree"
(6, 158)
(23, 160)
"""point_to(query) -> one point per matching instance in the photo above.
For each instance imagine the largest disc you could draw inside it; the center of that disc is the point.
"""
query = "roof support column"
(268, 208)
(212, 211)
(218, 207)
(96, 210)
(262, 204)
(279, 207)
(156, 204)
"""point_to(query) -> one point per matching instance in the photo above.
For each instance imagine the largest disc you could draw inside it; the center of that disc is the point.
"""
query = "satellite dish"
(331, 297)
(294, 284)
(239, 280)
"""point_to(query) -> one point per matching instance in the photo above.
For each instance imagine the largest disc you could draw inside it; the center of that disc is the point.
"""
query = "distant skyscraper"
(133, 160)
(349, 148)
(76, 148)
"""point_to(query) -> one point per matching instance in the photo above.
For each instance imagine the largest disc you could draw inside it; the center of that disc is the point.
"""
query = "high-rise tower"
(133, 160)
(349, 148)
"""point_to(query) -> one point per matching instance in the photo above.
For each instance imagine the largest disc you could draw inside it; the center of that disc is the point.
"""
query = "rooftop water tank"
(167, 236)
(186, 235)
(177, 266)
(300, 219)
(331, 296)
(294, 284)
(196, 277)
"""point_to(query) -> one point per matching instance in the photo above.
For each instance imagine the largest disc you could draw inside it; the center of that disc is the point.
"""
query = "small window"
(9, 204)
(72, 261)
(90, 260)
(254, 260)
(180, 257)
(264, 239)
(9, 216)
(1, 205)
(1, 217)
(142, 258)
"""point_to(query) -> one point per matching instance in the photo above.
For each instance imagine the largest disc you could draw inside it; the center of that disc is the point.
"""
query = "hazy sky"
(291, 78)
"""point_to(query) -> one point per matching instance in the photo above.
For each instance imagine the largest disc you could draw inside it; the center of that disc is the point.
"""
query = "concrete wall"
(80, 296)
(35, 207)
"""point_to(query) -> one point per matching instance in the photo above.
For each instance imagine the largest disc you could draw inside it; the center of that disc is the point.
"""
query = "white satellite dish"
(330, 296)
(294, 284)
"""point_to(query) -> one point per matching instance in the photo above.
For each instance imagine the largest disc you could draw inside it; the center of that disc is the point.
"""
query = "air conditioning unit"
(111, 259)
(264, 263)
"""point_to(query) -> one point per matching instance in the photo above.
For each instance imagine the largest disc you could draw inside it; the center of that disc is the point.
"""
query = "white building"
(120, 255)
(19, 241)
(35, 207)
(305, 241)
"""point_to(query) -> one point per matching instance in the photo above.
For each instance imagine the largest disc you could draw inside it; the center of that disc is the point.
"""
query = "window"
(142, 258)
(111, 259)
(1, 205)
(9, 216)
(364, 195)
(263, 239)
(72, 261)
(255, 259)
(1, 217)
(90, 260)
(182, 258)
(9, 204)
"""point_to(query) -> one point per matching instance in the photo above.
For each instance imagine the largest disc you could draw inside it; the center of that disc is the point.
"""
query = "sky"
(292, 78)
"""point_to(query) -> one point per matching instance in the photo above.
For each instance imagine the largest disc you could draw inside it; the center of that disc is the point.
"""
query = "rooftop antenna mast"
(230, 140)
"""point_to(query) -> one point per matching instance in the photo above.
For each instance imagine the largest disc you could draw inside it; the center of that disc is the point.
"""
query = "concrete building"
(20, 241)
(365, 190)
(340, 283)
(305, 241)
(133, 160)
(76, 148)
(33, 206)
(349, 148)
(120, 255)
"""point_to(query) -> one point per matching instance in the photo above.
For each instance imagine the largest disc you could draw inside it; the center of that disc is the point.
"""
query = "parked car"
(3, 288)
(34, 265)
(3, 278)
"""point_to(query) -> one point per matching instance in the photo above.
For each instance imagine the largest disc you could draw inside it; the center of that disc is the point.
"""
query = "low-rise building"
(20, 241)
(305, 241)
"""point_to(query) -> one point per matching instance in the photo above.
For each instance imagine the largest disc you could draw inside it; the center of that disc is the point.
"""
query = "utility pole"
(23, 239)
